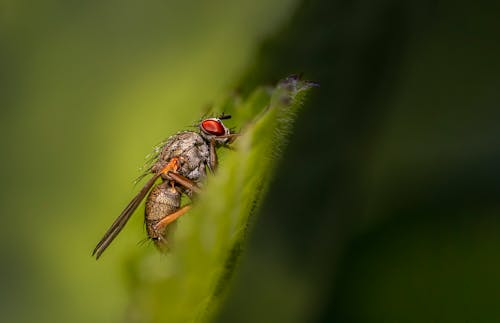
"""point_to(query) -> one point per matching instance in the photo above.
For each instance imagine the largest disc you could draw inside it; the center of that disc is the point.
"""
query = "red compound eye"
(213, 127)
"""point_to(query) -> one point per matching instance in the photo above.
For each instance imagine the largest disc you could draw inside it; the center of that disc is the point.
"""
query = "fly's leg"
(232, 137)
(162, 224)
(213, 160)
(171, 171)
(184, 182)
(158, 231)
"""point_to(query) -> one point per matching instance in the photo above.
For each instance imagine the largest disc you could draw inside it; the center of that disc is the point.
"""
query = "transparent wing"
(122, 219)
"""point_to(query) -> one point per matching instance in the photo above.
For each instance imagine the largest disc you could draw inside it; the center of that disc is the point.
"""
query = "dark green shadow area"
(385, 207)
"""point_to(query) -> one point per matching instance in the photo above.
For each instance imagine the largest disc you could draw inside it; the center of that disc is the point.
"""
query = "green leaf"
(188, 283)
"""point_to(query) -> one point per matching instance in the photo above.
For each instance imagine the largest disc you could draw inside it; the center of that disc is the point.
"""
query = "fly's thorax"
(193, 162)
(192, 151)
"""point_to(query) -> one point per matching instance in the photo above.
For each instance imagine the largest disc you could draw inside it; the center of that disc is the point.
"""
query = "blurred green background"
(385, 207)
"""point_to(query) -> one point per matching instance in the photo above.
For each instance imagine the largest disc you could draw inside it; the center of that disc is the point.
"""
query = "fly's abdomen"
(162, 201)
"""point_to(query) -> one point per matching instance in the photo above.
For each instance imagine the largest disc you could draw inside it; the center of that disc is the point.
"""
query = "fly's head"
(214, 129)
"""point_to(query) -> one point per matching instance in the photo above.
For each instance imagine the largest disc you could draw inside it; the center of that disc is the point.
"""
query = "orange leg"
(184, 181)
(171, 217)
(171, 170)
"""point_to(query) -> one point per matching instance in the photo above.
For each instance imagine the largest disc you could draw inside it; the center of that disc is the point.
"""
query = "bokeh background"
(385, 207)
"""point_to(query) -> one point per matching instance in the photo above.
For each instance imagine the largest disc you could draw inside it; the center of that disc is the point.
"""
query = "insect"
(181, 163)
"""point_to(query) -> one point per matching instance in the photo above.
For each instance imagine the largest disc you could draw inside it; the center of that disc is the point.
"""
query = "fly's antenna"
(224, 116)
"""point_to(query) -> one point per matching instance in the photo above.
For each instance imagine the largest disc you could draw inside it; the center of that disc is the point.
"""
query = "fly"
(181, 164)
